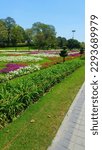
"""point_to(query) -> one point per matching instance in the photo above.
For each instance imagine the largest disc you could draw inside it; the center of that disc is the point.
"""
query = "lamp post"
(73, 31)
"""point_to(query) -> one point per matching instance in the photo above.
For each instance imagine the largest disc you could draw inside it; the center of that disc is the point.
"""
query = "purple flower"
(34, 52)
(75, 54)
(45, 51)
(11, 67)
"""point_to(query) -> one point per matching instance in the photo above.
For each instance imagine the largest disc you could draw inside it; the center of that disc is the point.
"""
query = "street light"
(73, 31)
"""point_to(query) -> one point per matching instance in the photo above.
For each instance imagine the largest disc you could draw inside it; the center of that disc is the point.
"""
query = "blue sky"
(64, 15)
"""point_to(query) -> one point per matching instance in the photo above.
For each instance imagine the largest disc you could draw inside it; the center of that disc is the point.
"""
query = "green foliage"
(61, 42)
(44, 35)
(47, 115)
(82, 45)
(72, 43)
(40, 36)
(16, 95)
(63, 53)
(28, 36)
(82, 51)
(3, 33)
(9, 23)
(17, 73)
(17, 35)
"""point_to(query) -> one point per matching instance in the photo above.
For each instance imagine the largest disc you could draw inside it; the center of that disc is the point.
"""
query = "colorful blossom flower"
(11, 67)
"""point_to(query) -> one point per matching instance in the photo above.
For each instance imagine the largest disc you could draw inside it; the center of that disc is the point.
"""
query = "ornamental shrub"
(63, 53)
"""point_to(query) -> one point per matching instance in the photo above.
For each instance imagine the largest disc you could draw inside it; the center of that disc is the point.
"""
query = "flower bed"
(16, 96)
(19, 59)
(19, 72)
(46, 55)
(76, 54)
(45, 52)
(11, 67)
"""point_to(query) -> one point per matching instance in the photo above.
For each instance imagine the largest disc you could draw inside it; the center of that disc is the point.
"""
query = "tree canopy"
(44, 35)
(61, 42)
(40, 36)
(3, 33)
(73, 43)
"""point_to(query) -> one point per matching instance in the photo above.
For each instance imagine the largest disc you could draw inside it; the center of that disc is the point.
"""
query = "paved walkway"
(71, 134)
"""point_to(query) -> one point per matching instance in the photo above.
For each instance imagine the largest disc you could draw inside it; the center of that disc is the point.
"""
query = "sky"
(64, 15)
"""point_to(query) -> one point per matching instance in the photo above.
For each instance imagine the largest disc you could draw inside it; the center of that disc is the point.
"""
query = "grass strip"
(37, 126)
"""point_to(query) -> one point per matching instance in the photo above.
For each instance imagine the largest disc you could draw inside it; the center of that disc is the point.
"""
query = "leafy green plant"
(16, 96)
(63, 53)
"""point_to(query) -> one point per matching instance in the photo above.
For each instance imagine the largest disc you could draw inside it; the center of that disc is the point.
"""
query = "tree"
(82, 51)
(82, 45)
(17, 35)
(72, 43)
(9, 23)
(82, 48)
(61, 42)
(44, 35)
(63, 53)
(3, 33)
(28, 36)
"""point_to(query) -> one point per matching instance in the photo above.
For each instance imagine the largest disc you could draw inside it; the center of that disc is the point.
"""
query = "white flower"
(28, 58)
(22, 71)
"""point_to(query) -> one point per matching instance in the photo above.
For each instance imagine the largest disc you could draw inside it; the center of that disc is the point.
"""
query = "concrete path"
(71, 134)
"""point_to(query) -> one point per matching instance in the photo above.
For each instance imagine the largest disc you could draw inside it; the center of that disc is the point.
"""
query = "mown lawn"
(37, 126)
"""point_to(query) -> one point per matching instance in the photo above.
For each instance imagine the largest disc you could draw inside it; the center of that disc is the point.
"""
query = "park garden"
(40, 76)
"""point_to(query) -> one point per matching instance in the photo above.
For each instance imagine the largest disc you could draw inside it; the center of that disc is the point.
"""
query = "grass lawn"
(37, 126)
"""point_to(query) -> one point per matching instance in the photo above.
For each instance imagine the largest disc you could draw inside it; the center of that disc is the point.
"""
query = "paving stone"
(79, 133)
(57, 147)
(71, 146)
(78, 147)
(80, 141)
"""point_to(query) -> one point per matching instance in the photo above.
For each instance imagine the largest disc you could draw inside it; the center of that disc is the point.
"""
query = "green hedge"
(17, 95)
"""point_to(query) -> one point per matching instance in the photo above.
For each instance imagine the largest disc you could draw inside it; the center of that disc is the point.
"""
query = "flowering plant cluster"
(19, 58)
(76, 54)
(19, 72)
(34, 52)
(46, 53)
(13, 52)
(11, 67)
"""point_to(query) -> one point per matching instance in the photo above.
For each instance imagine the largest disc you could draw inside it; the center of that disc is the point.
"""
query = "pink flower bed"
(75, 54)
(45, 51)
(11, 67)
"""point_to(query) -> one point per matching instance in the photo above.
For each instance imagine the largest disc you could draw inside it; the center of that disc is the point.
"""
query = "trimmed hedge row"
(15, 97)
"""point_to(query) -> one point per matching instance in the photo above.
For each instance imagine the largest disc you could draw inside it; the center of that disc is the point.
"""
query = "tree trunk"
(63, 59)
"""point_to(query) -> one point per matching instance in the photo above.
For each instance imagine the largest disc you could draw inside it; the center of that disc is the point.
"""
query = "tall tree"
(28, 36)
(17, 35)
(44, 35)
(82, 45)
(3, 33)
(10, 23)
(73, 43)
(61, 42)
